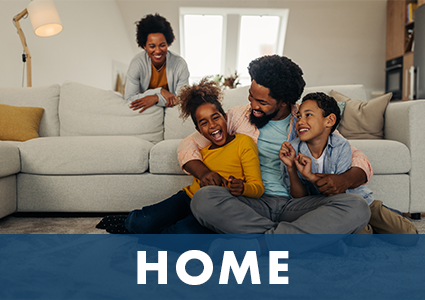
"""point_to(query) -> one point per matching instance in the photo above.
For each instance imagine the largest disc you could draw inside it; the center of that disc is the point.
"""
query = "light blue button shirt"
(337, 160)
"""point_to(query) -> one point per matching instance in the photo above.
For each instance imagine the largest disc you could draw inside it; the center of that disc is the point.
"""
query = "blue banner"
(212, 267)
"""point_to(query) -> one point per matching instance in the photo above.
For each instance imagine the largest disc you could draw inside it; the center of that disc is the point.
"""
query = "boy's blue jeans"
(171, 216)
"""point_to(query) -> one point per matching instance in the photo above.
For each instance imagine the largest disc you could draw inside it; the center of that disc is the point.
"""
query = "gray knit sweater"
(139, 75)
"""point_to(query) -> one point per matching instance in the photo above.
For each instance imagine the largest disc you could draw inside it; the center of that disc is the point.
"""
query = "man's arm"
(190, 160)
(331, 184)
(206, 177)
(349, 173)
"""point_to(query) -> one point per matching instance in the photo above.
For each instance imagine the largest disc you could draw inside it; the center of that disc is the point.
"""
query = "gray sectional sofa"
(94, 154)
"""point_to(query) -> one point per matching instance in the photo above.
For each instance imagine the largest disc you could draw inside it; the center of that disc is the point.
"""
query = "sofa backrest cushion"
(90, 111)
(353, 91)
(175, 128)
(44, 97)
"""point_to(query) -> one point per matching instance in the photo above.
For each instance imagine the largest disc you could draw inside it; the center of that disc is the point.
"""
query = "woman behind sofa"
(156, 74)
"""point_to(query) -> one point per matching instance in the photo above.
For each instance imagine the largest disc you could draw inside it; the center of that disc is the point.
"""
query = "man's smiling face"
(265, 108)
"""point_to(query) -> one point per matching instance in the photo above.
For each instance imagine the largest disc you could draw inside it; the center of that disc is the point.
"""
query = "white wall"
(93, 44)
(334, 41)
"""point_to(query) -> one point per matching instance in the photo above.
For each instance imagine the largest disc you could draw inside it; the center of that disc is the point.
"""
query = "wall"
(93, 44)
(334, 42)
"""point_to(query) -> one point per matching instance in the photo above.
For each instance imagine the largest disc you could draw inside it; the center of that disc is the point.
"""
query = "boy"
(318, 150)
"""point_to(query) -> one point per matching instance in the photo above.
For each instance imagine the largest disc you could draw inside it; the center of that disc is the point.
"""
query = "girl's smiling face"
(212, 125)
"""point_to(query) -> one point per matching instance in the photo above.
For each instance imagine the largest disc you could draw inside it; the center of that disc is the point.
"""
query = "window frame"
(231, 36)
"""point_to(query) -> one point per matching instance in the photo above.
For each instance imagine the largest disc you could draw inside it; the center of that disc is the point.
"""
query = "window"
(224, 40)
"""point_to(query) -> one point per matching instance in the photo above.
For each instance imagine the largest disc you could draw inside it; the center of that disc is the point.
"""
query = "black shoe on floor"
(117, 229)
(111, 220)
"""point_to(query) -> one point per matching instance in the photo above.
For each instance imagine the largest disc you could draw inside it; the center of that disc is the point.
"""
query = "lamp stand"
(24, 43)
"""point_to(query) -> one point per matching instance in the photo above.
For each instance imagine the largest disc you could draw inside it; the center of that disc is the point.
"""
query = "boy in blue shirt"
(318, 150)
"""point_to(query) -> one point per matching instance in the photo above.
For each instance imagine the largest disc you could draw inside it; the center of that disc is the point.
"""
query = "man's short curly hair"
(153, 24)
(192, 97)
(327, 104)
(280, 75)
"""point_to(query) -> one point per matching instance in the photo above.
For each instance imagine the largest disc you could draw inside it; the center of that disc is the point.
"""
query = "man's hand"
(170, 97)
(212, 178)
(144, 103)
(331, 184)
(236, 186)
(287, 154)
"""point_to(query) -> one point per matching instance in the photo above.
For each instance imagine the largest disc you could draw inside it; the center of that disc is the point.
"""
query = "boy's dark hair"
(192, 97)
(327, 104)
(280, 75)
(153, 24)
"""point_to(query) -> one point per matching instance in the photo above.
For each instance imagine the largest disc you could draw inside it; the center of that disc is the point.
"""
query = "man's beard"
(262, 121)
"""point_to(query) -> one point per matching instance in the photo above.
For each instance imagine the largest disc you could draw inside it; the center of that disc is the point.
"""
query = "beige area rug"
(78, 225)
(48, 225)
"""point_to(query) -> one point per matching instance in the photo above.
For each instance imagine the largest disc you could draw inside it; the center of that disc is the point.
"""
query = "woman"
(155, 75)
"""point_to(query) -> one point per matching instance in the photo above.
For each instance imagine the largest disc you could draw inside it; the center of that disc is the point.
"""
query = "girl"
(233, 157)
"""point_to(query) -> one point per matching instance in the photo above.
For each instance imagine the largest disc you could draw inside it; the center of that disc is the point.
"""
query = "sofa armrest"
(10, 162)
(405, 122)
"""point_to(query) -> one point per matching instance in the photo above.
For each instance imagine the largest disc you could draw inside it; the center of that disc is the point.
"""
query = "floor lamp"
(45, 22)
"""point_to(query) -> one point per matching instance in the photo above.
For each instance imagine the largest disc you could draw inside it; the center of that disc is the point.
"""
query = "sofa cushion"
(85, 155)
(10, 162)
(174, 126)
(163, 158)
(386, 156)
(44, 97)
(89, 111)
(362, 120)
(353, 91)
(19, 123)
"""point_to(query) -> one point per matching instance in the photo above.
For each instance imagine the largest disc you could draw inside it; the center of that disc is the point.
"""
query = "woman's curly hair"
(327, 104)
(153, 24)
(192, 97)
(280, 75)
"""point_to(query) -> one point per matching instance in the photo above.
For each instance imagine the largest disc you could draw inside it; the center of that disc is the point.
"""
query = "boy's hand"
(235, 186)
(303, 164)
(287, 154)
(212, 178)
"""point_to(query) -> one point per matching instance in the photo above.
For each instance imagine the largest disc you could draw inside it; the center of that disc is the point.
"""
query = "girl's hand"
(236, 186)
(287, 154)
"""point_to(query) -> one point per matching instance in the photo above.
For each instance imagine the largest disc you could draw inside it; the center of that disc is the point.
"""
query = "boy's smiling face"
(212, 125)
(311, 124)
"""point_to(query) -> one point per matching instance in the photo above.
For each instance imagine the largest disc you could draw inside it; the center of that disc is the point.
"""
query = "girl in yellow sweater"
(234, 158)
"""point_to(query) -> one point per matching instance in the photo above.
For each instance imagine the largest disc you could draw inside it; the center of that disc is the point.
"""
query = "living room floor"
(78, 225)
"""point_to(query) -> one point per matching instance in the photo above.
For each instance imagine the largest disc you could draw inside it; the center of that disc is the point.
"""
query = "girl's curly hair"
(192, 97)
(153, 24)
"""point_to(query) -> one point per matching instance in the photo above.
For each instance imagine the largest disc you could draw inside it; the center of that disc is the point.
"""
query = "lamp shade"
(44, 18)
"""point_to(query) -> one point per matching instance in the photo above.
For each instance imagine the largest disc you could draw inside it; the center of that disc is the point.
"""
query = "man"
(269, 119)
